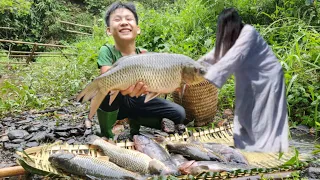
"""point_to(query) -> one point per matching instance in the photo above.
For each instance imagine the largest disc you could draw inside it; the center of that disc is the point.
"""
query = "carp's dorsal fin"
(113, 95)
(103, 158)
(150, 96)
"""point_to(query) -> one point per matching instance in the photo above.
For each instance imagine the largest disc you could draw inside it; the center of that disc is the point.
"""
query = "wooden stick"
(32, 52)
(80, 25)
(27, 55)
(39, 44)
(6, 28)
(27, 52)
(12, 171)
(77, 32)
(16, 63)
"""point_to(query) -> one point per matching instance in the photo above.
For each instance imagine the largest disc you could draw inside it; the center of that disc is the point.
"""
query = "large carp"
(160, 72)
(90, 167)
(129, 159)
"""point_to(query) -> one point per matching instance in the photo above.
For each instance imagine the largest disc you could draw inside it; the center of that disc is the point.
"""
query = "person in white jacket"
(261, 117)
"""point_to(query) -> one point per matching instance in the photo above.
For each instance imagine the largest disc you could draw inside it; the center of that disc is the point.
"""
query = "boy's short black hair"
(116, 5)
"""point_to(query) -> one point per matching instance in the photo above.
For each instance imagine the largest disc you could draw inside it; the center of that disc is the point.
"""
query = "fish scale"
(160, 72)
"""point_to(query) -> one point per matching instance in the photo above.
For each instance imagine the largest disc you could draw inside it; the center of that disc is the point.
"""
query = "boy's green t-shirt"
(108, 55)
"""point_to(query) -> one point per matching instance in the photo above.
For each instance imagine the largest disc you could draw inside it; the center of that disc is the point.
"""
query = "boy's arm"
(104, 69)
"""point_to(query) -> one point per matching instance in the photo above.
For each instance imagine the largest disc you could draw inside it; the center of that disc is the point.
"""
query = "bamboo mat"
(36, 159)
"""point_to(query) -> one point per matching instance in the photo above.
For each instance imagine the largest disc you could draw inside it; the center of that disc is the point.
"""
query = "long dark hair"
(228, 30)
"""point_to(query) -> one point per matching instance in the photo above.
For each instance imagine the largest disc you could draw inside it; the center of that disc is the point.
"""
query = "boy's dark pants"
(139, 113)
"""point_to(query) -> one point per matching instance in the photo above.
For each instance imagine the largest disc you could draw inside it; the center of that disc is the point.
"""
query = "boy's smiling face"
(123, 25)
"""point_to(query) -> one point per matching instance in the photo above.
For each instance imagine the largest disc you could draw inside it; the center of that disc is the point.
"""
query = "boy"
(122, 24)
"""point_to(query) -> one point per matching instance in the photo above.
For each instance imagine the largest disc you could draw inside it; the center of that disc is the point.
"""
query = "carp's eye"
(202, 71)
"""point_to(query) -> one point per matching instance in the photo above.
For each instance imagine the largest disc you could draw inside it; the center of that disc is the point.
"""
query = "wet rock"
(313, 173)
(17, 134)
(62, 134)
(315, 163)
(39, 136)
(12, 127)
(168, 125)
(124, 135)
(4, 139)
(24, 121)
(227, 113)
(74, 132)
(10, 145)
(88, 132)
(35, 128)
(24, 127)
(32, 144)
(180, 128)
(302, 128)
(29, 136)
(51, 136)
(17, 141)
(71, 141)
(62, 138)
(65, 128)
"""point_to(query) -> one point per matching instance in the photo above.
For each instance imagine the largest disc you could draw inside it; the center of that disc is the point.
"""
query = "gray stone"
(62, 134)
(17, 134)
(74, 132)
(71, 141)
(32, 144)
(314, 172)
(12, 127)
(167, 125)
(29, 136)
(24, 121)
(34, 128)
(64, 128)
(4, 139)
(39, 136)
(10, 145)
(315, 163)
(17, 141)
(24, 127)
(51, 136)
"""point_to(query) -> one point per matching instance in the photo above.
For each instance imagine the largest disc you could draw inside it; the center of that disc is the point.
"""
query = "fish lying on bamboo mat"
(154, 150)
(90, 167)
(197, 167)
(160, 72)
(196, 150)
(129, 159)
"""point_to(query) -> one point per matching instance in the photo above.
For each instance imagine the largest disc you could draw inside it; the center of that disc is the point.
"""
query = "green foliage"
(20, 7)
(51, 81)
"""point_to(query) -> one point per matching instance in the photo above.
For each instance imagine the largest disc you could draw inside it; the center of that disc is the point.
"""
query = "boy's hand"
(135, 90)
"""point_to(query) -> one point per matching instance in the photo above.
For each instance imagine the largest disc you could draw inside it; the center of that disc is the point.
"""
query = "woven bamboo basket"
(35, 160)
(200, 102)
